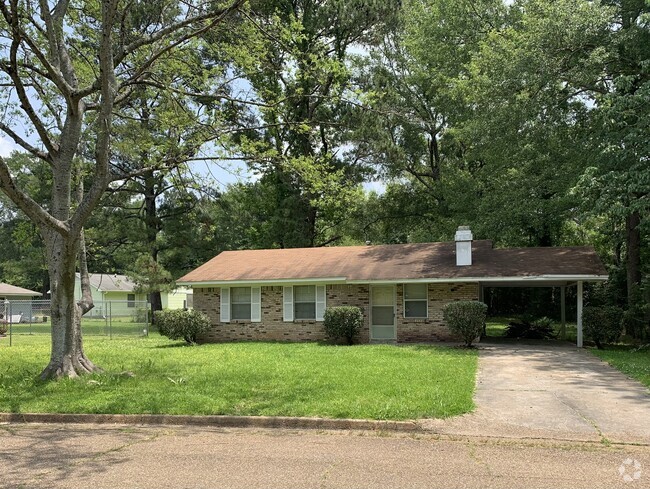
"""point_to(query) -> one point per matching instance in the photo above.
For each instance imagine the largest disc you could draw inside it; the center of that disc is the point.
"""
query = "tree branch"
(26, 204)
(215, 16)
(102, 149)
(12, 71)
(24, 144)
(86, 301)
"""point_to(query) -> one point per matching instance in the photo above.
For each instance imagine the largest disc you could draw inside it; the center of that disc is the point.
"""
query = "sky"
(6, 146)
(221, 173)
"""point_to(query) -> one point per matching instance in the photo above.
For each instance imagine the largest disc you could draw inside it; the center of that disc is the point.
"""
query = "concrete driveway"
(556, 391)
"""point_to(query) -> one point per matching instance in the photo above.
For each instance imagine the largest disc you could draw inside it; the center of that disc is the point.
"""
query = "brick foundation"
(273, 328)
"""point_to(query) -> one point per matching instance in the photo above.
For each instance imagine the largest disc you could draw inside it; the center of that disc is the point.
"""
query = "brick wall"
(352, 295)
(273, 328)
(432, 328)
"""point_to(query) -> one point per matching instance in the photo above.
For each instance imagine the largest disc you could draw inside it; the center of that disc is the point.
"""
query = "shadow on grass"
(179, 345)
(30, 388)
(261, 342)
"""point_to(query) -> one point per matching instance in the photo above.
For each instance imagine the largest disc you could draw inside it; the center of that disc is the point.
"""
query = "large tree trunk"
(633, 239)
(151, 187)
(156, 303)
(67, 358)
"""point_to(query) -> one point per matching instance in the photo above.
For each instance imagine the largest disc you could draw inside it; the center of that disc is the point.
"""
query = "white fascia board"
(343, 280)
(537, 278)
(414, 281)
(284, 281)
(570, 278)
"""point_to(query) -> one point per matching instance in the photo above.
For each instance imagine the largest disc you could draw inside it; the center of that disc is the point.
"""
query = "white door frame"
(391, 286)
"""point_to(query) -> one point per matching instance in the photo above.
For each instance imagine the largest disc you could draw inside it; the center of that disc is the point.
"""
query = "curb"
(216, 421)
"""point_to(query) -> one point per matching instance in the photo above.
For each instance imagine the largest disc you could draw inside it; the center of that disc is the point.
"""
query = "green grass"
(632, 362)
(496, 328)
(307, 379)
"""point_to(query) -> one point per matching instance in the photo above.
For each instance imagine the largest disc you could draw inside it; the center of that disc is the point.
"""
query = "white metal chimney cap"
(464, 234)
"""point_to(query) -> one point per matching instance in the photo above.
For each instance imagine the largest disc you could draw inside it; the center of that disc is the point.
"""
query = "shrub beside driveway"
(364, 381)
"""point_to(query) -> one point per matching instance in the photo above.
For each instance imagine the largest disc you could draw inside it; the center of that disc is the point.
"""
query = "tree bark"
(67, 358)
(151, 186)
(156, 302)
(633, 259)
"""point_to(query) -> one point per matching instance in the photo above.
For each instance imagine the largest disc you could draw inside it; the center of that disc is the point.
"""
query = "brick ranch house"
(281, 294)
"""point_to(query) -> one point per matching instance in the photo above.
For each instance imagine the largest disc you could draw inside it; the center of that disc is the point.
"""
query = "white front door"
(382, 312)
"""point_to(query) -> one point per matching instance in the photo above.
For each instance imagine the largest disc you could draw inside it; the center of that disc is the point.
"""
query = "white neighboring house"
(179, 298)
(113, 288)
(20, 309)
(14, 293)
(119, 290)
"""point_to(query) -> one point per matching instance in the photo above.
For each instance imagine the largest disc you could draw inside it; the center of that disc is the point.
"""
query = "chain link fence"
(107, 318)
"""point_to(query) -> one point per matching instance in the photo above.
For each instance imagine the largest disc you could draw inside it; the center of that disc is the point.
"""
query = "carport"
(561, 282)
(565, 266)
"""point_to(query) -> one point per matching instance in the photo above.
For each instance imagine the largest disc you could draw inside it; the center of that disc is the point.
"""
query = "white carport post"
(579, 315)
(563, 312)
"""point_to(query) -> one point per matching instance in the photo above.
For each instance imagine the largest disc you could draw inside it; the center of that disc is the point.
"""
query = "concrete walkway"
(558, 391)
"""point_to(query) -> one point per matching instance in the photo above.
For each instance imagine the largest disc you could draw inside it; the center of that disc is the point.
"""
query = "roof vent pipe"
(463, 246)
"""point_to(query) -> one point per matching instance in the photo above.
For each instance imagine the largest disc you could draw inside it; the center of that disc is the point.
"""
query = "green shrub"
(466, 319)
(343, 322)
(182, 324)
(529, 328)
(602, 324)
(636, 318)
(141, 315)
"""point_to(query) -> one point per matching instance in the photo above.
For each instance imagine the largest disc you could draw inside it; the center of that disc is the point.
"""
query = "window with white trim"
(415, 300)
(240, 303)
(304, 302)
(130, 300)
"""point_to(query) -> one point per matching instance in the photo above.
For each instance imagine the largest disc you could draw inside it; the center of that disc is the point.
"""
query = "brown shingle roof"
(396, 262)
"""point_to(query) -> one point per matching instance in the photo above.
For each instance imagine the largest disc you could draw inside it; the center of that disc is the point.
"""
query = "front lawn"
(632, 362)
(366, 381)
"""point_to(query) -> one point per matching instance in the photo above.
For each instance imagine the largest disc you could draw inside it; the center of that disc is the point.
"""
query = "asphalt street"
(75, 456)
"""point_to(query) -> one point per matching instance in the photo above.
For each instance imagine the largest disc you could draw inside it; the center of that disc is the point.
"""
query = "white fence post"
(8, 318)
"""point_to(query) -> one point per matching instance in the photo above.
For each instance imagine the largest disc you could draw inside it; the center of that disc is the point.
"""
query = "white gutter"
(229, 283)
(536, 278)
(569, 278)
(343, 280)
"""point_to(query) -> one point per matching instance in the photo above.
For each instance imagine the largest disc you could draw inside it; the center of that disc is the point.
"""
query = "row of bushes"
(466, 319)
